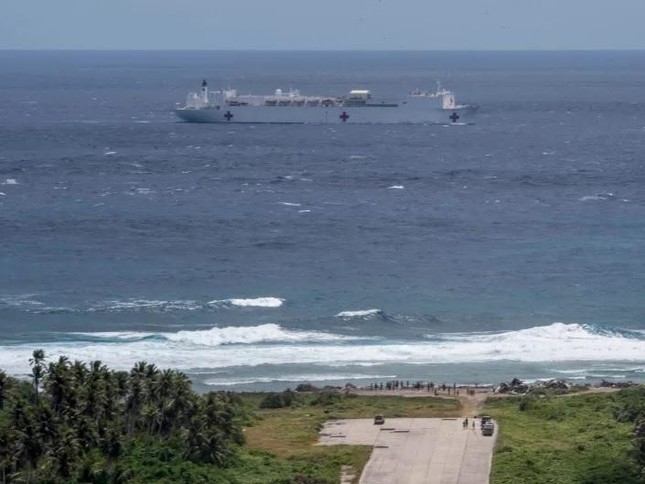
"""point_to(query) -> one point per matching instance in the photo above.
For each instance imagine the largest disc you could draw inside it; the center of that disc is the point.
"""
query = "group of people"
(464, 424)
(419, 385)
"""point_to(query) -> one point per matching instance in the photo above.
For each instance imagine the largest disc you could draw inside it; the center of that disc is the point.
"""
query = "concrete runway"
(417, 450)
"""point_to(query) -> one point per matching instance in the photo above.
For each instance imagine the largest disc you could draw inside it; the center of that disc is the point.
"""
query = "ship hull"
(412, 112)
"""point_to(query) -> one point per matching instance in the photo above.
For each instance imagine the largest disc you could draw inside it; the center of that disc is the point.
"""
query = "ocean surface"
(260, 256)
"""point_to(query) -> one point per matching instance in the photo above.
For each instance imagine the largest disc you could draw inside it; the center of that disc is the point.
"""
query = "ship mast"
(205, 91)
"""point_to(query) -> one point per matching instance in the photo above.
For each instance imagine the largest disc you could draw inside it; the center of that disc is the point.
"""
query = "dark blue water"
(514, 245)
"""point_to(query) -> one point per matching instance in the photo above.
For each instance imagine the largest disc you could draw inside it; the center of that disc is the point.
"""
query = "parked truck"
(488, 428)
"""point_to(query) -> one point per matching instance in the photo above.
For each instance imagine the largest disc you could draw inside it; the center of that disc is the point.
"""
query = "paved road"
(417, 450)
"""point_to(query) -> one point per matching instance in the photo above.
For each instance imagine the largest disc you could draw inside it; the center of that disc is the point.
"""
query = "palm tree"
(220, 411)
(4, 383)
(45, 423)
(165, 402)
(184, 400)
(30, 446)
(79, 370)
(65, 453)
(58, 382)
(111, 445)
(37, 369)
(149, 416)
(87, 433)
(121, 380)
(7, 453)
(139, 369)
(133, 402)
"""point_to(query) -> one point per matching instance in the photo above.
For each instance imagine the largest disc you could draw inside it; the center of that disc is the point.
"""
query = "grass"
(291, 433)
(573, 439)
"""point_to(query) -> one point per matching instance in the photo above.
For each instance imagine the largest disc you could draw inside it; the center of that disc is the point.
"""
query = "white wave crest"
(9, 181)
(20, 300)
(117, 335)
(146, 305)
(259, 302)
(598, 197)
(264, 333)
(396, 187)
(321, 377)
(359, 314)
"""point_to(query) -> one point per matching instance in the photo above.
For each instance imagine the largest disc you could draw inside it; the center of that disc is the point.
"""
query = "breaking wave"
(260, 302)
(20, 301)
(146, 305)
(597, 197)
(321, 377)
(363, 313)
(29, 303)
(272, 344)
(264, 333)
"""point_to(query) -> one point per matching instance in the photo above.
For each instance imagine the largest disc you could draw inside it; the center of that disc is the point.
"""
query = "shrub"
(307, 387)
(279, 400)
(325, 398)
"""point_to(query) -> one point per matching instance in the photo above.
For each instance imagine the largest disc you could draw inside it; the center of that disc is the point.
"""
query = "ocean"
(261, 256)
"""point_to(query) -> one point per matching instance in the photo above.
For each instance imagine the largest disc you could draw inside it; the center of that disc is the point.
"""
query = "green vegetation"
(586, 439)
(289, 432)
(74, 423)
(84, 423)
(78, 423)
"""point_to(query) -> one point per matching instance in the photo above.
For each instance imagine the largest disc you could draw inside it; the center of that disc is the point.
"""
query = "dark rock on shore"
(518, 387)
(307, 387)
(515, 386)
(612, 384)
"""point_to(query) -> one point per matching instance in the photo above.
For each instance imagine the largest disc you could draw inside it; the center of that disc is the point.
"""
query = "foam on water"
(597, 197)
(259, 302)
(247, 346)
(114, 335)
(20, 300)
(29, 303)
(250, 334)
(146, 305)
(362, 313)
(264, 333)
(294, 378)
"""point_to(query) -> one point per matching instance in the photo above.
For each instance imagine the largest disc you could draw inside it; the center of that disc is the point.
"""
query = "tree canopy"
(78, 422)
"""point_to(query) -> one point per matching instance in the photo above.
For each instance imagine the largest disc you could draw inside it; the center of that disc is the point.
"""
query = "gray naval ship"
(291, 107)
